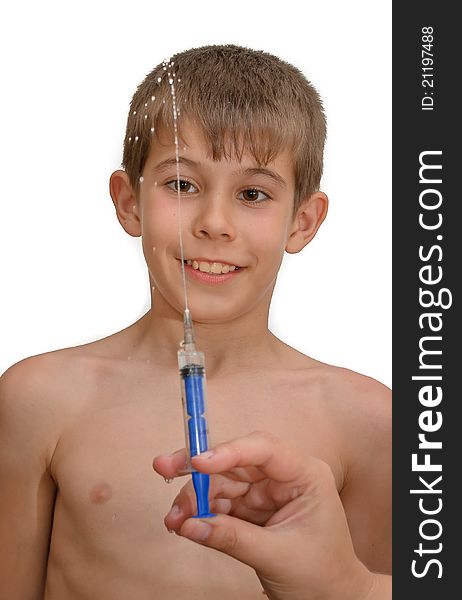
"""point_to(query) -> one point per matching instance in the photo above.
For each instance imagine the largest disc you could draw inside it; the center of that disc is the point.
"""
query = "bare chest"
(113, 503)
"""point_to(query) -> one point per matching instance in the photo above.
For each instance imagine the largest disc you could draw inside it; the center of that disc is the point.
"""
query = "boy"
(81, 514)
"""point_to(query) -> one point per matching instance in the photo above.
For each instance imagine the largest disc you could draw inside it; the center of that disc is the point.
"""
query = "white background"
(70, 274)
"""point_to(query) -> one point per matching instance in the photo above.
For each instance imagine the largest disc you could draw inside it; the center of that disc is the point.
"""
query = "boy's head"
(251, 133)
(243, 100)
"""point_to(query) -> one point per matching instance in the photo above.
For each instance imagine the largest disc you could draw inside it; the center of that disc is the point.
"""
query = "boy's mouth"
(208, 270)
(211, 267)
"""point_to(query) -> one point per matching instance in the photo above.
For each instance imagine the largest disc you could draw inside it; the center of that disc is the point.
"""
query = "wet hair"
(243, 100)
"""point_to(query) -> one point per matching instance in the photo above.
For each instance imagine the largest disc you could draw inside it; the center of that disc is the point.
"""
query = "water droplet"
(141, 179)
(152, 129)
(134, 112)
(153, 98)
(165, 68)
(136, 138)
(159, 79)
(163, 101)
(129, 139)
(179, 79)
(168, 480)
(145, 116)
(170, 80)
(145, 103)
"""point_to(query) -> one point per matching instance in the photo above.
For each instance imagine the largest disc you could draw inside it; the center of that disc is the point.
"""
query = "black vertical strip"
(432, 278)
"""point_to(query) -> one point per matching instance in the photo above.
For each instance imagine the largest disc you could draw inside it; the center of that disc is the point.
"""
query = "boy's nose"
(214, 220)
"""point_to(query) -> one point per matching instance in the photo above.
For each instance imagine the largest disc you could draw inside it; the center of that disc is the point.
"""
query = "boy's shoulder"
(43, 395)
(357, 406)
(359, 410)
(43, 374)
(44, 387)
(345, 387)
(342, 390)
(355, 401)
(30, 411)
(66, 382)
(57, 373)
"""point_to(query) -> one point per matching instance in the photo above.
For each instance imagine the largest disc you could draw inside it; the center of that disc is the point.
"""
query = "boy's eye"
(185, 186)
(253, 195)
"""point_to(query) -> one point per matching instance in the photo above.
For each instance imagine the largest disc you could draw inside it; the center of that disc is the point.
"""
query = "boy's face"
(231, 212)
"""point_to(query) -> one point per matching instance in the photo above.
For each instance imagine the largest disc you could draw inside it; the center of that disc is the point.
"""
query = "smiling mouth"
(211, 267)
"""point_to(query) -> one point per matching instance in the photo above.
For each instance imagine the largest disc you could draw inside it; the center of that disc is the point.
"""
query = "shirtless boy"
(81, 511)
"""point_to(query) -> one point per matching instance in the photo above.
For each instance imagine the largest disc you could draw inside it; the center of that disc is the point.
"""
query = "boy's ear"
(125, 203)
(307, 221)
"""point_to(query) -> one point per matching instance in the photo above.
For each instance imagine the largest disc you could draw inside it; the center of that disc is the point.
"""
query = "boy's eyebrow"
(169, 162)
(262, 171)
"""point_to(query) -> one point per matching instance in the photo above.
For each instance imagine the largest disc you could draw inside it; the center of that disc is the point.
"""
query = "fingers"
(171, 465)
(249, 543)
(273, 458)
(252, 458)
(222, 494)
(258, 452)
(183, 507)
(260, 475)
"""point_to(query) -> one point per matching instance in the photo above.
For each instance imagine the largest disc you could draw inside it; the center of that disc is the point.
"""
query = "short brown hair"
(243, 100)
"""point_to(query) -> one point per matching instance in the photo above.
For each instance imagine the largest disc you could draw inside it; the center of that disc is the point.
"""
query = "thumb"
(248, 543)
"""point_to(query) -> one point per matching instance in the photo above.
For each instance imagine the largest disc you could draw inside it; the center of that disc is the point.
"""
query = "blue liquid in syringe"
(193, 377)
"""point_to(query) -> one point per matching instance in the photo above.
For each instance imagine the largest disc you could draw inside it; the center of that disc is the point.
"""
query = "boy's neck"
(245, 343)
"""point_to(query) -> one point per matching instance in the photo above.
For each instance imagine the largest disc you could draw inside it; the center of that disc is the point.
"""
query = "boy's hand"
(278, 513)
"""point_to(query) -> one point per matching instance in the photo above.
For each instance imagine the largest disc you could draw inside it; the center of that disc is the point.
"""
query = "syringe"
(193, 395)
(191, 362)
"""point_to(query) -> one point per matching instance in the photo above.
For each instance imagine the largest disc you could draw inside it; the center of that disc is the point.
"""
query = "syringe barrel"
(193, 395)
(192, 371)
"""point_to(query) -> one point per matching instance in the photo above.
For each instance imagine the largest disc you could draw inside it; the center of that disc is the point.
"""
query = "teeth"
(204, 267)
(216, 268)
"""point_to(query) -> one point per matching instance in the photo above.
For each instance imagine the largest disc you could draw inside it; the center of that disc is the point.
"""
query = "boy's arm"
(366, 493)
(27, 491)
